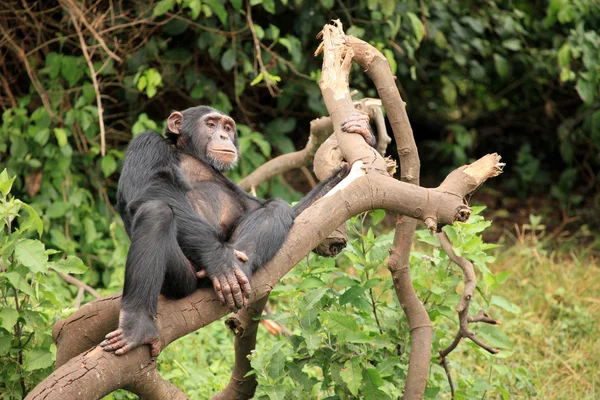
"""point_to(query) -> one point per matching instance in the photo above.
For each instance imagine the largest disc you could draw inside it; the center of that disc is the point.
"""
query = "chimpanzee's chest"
(212, 197)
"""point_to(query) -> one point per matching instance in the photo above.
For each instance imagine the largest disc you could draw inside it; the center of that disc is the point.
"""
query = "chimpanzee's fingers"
(356, 117)
(362, 130)
(227, 293)
(243, 281)
(124, 349)
(218, 290)
(236, 291)
(114, 333)
(240, 255)
(154, 349)
(201, 274)
(353, 128)
(111, 341)
(116, 346)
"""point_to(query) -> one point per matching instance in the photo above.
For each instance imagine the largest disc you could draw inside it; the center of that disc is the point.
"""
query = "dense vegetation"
(520, 78)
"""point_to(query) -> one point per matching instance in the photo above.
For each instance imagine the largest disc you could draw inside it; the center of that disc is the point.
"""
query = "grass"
(556, 338)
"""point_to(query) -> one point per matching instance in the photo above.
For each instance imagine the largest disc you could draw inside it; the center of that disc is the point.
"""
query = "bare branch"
(70, 7)
(76, 13)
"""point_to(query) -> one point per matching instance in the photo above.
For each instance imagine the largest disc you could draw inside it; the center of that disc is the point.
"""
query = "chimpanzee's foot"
(359, 123)
(134, 330)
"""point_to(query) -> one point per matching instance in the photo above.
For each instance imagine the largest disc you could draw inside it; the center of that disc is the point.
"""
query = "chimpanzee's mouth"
(224, 151)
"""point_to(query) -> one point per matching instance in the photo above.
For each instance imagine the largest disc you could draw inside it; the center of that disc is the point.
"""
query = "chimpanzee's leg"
(154, 253)
(261, 234)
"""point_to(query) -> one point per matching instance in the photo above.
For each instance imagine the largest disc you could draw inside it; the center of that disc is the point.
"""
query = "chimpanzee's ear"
(174, 122)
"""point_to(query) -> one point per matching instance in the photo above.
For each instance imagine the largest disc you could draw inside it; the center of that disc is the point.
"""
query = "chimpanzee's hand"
(239, 254)
(233, 286)
(359, 123)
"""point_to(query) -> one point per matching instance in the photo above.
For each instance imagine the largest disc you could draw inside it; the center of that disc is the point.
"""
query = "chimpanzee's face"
(207, 134)
(219, 134)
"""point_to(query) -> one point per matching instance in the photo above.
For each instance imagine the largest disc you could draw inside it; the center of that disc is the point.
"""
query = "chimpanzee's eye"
(210, 124)
(227, 128)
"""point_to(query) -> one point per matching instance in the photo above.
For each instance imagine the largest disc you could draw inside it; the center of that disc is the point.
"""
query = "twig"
(271, 85)
(76, 282)
(308, 175)
(94, 77)
(34, 79)
(73, 9)
(463, 307)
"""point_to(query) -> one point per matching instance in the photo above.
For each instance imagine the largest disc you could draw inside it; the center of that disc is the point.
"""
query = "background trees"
(520, 79)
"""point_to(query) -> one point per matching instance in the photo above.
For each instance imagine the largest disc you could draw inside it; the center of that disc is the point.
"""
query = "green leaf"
(237, 4)
(310, 283)
(341, 322)
(276, 365)
(371, 384)
(377, 216)
(32, 254)
(6, 182)
(501, 65)
(9, 318)
(71, 265)
(564, 55)
(228, 60)
(18, 282)
(417, 26)
(449, 92)
(351, 294)
(33, 220)
(505, 304)
(219, 9)
(312, 297)
(269, 6)
(257, 80)
(5, 344)
(108, 165)
(57, 209)
(195, 8)
(351, 374)
(265, 147)
(440, 40)
(345, 281)
(586, 90)
(163, 7)
(38, 358)
(61, 136)
(512, 44)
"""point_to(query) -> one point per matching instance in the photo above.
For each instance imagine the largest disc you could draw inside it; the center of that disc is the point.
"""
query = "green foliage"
(31, 296)
(350, 338)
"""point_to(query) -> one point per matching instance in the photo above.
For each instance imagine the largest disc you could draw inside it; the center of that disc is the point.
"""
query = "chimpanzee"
(187, 222)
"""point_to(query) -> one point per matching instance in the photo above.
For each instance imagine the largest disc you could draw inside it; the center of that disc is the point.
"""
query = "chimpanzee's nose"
(224, 136)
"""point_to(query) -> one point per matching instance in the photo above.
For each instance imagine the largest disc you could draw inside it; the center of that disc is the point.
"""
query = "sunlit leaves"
(8, 318)
(32, 254)
(38, 359)
(70, 265)
(149, 80)
(417, 25)
(162, 7)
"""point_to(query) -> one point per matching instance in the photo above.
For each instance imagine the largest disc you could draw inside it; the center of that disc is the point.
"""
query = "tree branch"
(176, 318)
(244, 326)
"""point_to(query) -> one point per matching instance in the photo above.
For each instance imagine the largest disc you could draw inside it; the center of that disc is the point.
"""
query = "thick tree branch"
(244, 326)
(378, 69)
(320, 129)
(177, 318)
